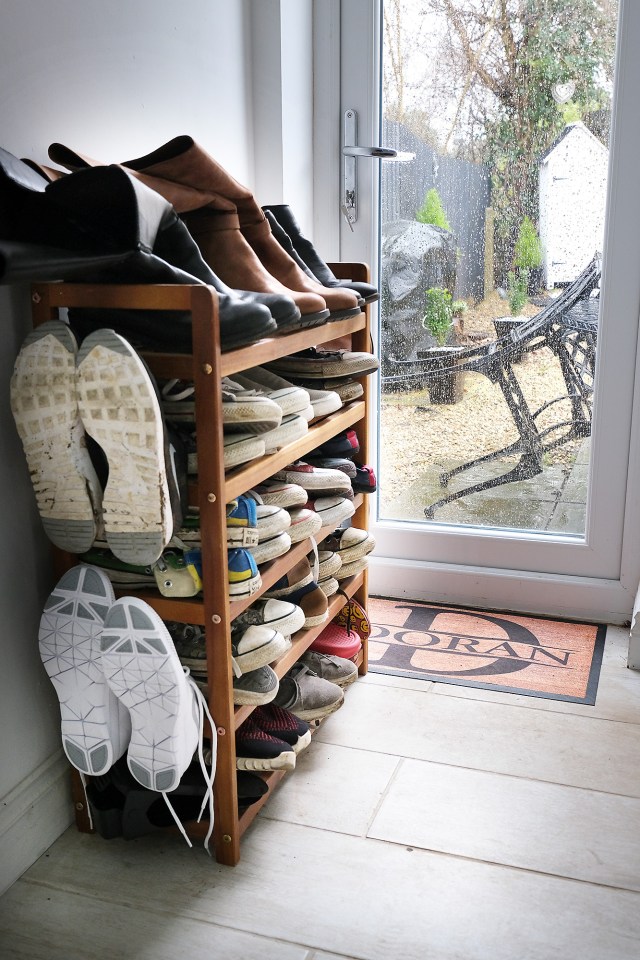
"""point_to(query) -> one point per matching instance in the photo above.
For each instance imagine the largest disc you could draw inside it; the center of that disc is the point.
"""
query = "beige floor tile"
(351, 895)
(38, 923)
(537, 826)
(617, 698)
(561, 748)
(334, 788)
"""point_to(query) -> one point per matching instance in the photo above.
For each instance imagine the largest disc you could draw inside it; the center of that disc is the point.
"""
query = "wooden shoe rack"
(213, 489)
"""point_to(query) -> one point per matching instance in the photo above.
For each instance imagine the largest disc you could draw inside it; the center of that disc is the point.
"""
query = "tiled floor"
(425, 821)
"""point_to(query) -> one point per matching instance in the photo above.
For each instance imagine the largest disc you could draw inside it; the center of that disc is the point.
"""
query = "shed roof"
(571, 128)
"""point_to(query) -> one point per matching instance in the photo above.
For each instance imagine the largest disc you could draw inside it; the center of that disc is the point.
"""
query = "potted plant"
(438, 319)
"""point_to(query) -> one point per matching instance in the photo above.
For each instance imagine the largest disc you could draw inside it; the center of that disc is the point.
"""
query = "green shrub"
(438, 314)
(528, 249)
(432, 210)
(458, 307)
(517, 290)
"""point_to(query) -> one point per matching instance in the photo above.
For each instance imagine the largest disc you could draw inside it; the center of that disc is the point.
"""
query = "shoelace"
(170, 393)
(202, 709)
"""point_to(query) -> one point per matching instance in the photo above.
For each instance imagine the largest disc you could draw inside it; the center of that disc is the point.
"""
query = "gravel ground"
(416, 434)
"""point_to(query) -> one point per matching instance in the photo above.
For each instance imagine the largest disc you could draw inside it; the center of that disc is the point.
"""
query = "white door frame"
(591, 579)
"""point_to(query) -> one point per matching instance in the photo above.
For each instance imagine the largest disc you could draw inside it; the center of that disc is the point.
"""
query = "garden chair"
(568, 327)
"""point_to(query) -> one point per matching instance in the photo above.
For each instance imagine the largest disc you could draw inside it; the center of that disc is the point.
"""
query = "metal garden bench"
(568, 326)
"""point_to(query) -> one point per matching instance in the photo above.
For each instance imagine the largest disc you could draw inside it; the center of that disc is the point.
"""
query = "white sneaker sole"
(329, 586)
(292, 428)
(304, 523)
(95, 725)
(266, 653)
(238, 449)
(270, 549)
(143, 670)
(244, 588)
(44, 403)
(120, 410)
(285, 495)
(284, 761)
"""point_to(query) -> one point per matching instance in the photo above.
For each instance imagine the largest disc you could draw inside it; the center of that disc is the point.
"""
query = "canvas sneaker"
(275, 546)
(243, 411)
(346, 390)
(334, 463)
(351, 543)
(305, 523)
(289, 397)
(282, 615)
(258, 750)
(345, 444)
(364, 480)
(298, 586)
(255, 687)
(316, 480)
(189, 640)
(282, 494)
(256, 646)
(284, 725)
(243, 576)
(322, 402)
(242, 522)
(307, 695)
(317, 363)
(292, 428)
(332, 510)
(44, 404)
(337, 669)
(95, 726)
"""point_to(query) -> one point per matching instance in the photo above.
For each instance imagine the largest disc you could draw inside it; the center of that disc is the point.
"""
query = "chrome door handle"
(350, 153)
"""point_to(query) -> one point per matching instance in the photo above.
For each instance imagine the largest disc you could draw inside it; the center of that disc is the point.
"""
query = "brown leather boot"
(213, 223)
(183, 161)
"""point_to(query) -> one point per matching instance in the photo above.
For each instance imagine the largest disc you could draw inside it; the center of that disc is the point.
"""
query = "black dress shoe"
(309, 256)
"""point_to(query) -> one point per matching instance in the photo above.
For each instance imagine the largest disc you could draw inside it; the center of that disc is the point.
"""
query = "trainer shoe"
(190, 642)
(334, 463)
(337, 669)
(166, 707)
(258, 750)
(44, 403)
(364, 480)
(243, 411)
(285, 617)
(95, 725)
(284, 725)
(307, 695)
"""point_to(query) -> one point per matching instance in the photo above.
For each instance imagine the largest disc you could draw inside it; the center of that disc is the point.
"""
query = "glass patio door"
(452, 226)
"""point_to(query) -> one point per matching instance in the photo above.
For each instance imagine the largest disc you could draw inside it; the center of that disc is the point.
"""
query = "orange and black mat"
(532, 656)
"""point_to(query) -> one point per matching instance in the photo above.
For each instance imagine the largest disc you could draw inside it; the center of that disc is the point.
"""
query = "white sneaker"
(323, 402)
(95, 725)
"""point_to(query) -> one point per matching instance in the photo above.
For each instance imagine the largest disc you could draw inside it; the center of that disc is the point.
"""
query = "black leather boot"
(309, 256)
(110, 206)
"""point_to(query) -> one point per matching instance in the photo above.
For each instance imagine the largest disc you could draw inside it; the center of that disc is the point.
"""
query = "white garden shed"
(573, 180)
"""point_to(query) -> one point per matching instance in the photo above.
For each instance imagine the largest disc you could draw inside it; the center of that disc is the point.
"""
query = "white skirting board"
(633, 660)
(32, 817)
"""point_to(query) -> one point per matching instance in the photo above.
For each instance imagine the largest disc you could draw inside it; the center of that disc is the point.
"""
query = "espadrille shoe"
(299, 587)
(44, 403)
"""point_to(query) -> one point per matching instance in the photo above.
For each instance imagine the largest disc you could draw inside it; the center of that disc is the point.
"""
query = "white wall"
(115, 80)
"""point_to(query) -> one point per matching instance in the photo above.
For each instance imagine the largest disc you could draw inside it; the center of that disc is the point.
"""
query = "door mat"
(532, 656)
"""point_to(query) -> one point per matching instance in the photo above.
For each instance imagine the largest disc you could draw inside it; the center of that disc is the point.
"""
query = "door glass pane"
(491, 245)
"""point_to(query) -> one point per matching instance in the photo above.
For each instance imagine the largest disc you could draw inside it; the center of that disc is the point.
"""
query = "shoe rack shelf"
(214, 489)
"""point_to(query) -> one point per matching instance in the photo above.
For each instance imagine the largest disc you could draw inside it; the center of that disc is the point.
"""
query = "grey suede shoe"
(336, 669)
(256, 687)
(307, 695)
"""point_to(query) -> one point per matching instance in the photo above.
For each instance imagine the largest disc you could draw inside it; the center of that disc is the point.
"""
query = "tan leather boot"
(183, 161)
(213, 223)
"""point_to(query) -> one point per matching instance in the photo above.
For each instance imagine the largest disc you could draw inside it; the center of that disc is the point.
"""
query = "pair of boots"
(122, 688)
(103, 225)
(248, 247)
